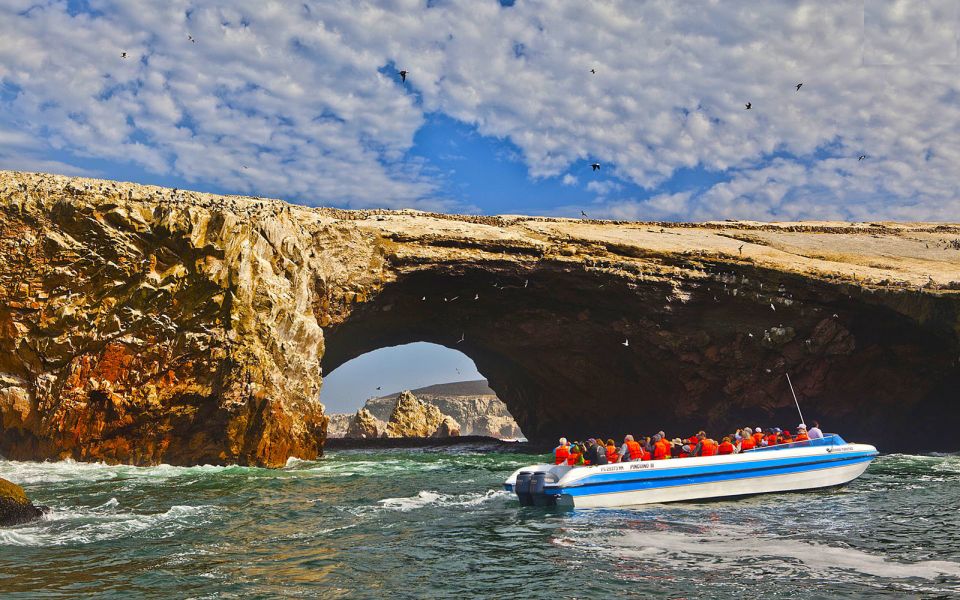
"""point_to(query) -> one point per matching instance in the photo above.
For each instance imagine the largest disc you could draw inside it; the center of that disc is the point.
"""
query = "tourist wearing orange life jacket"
(801, 433)
(708, 447)
(631, 450)
(747, 443)
(726, 446)
(757, 437)
(562, 452)
(661, 448)
(771, 438)
(576, 455)
(612, 454)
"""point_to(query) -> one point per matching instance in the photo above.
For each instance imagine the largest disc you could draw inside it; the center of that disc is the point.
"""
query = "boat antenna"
(790, 383)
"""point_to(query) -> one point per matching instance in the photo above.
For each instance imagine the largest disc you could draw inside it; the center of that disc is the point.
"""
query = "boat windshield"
(830, 439)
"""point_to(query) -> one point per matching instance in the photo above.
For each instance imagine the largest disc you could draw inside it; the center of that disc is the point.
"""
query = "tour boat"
(829, 461)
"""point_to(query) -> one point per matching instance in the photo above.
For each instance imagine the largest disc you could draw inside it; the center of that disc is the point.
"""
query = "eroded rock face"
(448, 427)
(413, 418)
(15, 507)
(145, 325)
(364, 425)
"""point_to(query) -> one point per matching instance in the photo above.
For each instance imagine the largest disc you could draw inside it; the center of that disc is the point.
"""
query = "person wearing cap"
(815, 433)
(757, 437)
(562, 452)
(801, 433)
(676, 448)
(747, 442)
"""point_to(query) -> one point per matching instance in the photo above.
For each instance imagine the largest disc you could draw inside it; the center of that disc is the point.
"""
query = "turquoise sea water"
(433, 523)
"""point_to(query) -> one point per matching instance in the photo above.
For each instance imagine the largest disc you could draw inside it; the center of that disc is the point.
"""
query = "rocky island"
(142, 325)
(471, 405)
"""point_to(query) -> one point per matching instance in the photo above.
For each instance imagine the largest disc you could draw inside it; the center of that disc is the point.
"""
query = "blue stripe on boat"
(711, 475)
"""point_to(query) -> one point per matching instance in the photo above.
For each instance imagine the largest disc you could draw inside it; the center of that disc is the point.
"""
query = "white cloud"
(293, 92)
(569, 179)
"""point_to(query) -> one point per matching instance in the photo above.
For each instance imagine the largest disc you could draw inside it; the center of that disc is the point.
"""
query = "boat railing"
(830, 439)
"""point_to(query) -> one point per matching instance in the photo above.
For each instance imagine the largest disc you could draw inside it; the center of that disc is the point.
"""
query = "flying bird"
(424, 298)
(861, 157)
(799, 85)
(190, 37)
(626, 342)
(378, 388)
(403, 76)
(772, 307)
(749, 105)
(123, 55)
(583, 214)
(526, 282)
(476, 297)
(595, 166)
(594, 71)
(463, 336)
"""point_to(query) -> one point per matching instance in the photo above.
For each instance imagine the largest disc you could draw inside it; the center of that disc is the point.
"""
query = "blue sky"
(505, 106)
(393, 369)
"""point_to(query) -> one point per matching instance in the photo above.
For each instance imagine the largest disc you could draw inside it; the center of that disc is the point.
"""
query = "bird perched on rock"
(749, 105)
(595, 166)
(799, 85)
(403, 76)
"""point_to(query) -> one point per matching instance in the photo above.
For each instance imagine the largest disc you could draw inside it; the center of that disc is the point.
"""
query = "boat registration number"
(637, 466)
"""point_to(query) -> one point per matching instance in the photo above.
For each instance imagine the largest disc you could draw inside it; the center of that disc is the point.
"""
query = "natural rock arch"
(140, 324)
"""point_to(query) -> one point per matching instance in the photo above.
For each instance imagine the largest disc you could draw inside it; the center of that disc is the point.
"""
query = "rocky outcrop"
(338, 424)
(448, 427)
(470, 403)
(15, 507)
(413, 418)
(140, 324)
(364, 425)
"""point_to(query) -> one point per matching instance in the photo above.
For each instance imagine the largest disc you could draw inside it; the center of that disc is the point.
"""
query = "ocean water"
(434, 523)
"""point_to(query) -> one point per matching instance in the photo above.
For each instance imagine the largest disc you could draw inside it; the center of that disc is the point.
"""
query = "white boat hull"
(807, 465)
(722, 489)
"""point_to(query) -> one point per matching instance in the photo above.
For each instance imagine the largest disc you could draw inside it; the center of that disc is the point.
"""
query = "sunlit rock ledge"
(143, 325)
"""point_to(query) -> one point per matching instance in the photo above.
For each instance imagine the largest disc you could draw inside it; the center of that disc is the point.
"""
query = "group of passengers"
(659, 447)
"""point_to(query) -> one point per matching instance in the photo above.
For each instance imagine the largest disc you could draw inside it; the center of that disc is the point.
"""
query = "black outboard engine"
(540, 498)
(522, 488)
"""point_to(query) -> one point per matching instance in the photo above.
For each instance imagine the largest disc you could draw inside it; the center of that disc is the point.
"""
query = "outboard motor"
(522, 488)
(540, 498)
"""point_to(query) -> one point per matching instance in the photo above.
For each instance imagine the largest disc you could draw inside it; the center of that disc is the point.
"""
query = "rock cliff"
(141, 324)
(413, 418)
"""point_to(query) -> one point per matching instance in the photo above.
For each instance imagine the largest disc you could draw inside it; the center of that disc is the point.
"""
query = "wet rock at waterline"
(144, 325)
(15, 507)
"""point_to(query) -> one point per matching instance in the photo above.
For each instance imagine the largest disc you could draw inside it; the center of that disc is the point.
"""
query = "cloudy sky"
(500, 112)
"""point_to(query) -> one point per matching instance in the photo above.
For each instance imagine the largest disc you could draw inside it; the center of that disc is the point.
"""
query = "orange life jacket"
(801, 437)
(772, 439)
(661, 450)
(573, 459)
(725, 448)
(646, 455)
(708, 448)
(693, 440)
(612, 454)
(757, 439)
(633, 447)
(786, 439)
(747, 444)
(562, 453)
